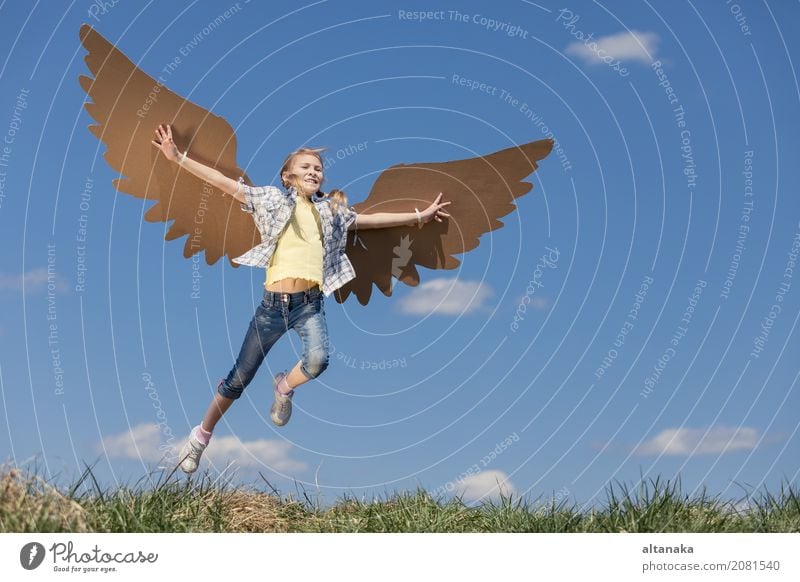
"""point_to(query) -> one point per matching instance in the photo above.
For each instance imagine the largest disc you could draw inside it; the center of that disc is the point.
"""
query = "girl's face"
(308, 170)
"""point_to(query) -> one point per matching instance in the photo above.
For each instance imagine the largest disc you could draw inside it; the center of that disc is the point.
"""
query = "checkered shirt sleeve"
(349, 216)
(254, 196)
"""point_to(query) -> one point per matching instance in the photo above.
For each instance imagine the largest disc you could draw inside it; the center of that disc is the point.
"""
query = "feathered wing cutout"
(481, 189)
(128, 106)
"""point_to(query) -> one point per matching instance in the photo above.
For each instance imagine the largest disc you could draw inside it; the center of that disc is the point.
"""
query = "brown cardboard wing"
(481, 190)
(128, 105)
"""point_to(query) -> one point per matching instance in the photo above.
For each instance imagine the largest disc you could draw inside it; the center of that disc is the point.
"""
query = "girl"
(302, 232)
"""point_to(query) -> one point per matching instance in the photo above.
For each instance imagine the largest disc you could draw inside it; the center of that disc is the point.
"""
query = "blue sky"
(635, 317)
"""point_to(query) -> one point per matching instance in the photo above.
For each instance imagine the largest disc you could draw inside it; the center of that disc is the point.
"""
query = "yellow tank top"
(298, 252)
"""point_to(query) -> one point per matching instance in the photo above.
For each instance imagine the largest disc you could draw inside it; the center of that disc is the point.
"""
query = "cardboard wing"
(128, 105)
(481, 189)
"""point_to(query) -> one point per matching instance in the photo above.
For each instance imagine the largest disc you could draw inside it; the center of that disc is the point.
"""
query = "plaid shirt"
(272, 208)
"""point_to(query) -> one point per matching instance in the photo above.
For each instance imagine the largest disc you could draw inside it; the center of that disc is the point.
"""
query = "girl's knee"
(315, 362)
(232, 387)
(228, 391)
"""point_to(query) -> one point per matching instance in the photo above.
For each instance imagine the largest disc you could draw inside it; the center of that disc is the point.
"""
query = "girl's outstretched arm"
(210, 175)
(389, 219)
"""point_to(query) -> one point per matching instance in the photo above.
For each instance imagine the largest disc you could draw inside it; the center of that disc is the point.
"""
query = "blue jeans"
(278, 313)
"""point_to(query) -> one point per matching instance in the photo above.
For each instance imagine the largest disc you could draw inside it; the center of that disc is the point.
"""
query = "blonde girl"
(303, 236)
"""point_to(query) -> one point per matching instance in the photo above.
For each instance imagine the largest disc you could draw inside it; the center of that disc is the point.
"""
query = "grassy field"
(175, 504)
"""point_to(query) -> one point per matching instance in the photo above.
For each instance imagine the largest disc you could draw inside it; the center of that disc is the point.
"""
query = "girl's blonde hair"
(338, 197)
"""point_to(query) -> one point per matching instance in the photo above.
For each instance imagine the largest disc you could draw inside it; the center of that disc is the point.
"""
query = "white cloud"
(540, 303)
(141, 442)
(700, 441)
(623, 46)
(537, 302)
(273, 453)
(144, 442)
(31, 281)
(485, 485)
(446, 297)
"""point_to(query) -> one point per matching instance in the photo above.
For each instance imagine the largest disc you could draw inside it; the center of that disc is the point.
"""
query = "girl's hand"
(434, 211)
(165, 143)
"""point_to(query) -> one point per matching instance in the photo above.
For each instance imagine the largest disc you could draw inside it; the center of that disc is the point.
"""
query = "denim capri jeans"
(303, 312)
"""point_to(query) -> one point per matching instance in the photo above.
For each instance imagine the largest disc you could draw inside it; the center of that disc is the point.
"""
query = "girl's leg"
(216, 409)
(266, 328)
(312, 328)
(296, 376)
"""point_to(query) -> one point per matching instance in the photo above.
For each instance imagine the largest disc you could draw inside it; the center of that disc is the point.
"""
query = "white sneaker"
(191, 453)
(281, 409)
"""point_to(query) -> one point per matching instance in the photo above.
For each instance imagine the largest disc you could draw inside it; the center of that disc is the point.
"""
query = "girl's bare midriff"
(291, 285)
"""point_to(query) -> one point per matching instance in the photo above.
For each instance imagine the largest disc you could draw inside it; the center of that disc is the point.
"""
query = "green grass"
(201, 504)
